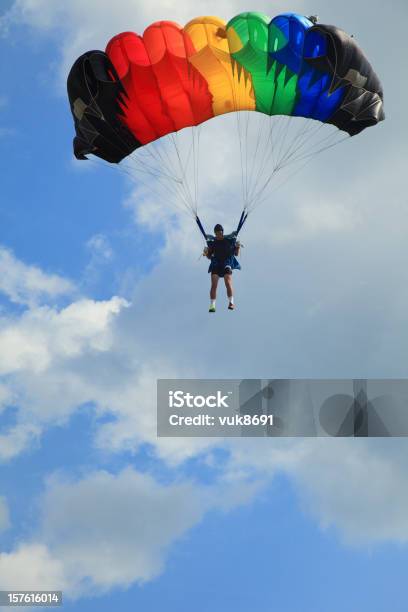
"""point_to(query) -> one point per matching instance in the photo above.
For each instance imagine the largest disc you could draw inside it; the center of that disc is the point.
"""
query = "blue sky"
(102, 292)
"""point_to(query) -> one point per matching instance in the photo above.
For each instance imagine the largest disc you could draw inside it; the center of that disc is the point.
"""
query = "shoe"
(231, 306)
(211, 309)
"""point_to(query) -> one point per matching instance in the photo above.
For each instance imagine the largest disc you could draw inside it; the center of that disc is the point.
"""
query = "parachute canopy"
(145, 87)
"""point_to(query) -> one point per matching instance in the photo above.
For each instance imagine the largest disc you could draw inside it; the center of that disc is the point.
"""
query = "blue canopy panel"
(293, 28)
(317, 100)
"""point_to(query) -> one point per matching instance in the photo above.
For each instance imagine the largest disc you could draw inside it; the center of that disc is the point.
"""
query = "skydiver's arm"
(237, 248)
(208, 251)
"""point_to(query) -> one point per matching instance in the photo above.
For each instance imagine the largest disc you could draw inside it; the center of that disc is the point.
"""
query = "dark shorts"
(220, 270)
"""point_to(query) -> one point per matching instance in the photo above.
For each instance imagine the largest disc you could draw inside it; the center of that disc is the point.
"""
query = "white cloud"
(56, 360)
(107, 531)
(317, 218)
(28, 284)
(17, 439)
(353, 487)
(118, 533)
(356, 487)
(46, 334)
(31, 567)
(101, 254)
(37, 353)
(99, 247)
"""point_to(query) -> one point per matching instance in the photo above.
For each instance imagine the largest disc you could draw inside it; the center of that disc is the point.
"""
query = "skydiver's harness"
(231, 261)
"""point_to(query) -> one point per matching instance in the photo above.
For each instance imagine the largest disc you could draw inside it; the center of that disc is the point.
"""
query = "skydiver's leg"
(213, 292)
(214, 284)
(230, 290)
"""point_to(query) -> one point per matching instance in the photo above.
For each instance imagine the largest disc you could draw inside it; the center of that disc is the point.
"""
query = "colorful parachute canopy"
(145, 87)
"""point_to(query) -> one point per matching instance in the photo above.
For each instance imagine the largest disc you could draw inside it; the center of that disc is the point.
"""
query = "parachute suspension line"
(195, 147)
(155, 187)
(185, 184)
(303, 136)
(185, 166)
(327, 146)
(282, 142)
(277, 154)
(178, 186)
(176, 189)
(195, 133)
(271, 149)
(261, 151)
(266, 154)
(295, 154)
(137, 161)
(174, 184)
(241, 155)
(237, 113)
(283, 157)
(146, 170)
(153, 150)
(281, 137)
(286, 180)
(194, 170)
(161, 153)
(190, 164)
(137, 167)
(247, 117)
(167, 160)
(196, 154)
(306, 159)
(130, 157)
(151, 188)
(197, 158)
(183, 169)
(254, 157)
(268, 151)
(277, 122)
(281, 184)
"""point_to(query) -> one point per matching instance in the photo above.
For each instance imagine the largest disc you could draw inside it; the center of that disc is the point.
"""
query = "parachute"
(124, 101)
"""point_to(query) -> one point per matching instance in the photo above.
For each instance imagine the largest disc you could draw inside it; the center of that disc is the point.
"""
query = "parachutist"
(222, 251)
(314, 19)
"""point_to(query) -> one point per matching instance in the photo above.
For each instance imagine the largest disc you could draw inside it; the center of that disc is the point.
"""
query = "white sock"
(212, 303)
(231, 299)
